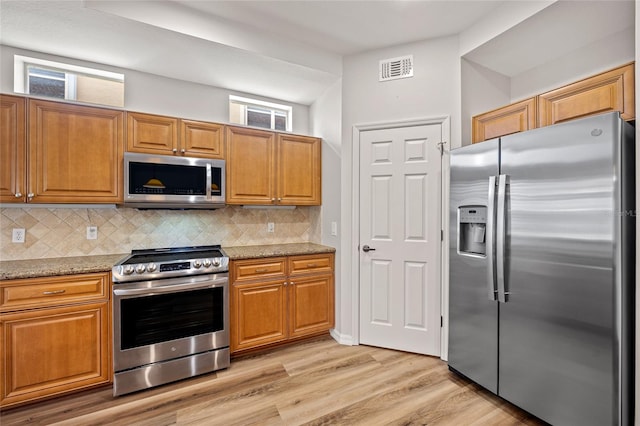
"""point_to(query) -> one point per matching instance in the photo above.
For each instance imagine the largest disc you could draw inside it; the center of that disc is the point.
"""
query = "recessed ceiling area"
(558, 29)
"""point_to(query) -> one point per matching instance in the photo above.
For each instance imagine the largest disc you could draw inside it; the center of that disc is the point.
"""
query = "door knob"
(367, 249)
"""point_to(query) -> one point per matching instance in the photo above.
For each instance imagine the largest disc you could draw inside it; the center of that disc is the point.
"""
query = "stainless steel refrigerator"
(542, 264)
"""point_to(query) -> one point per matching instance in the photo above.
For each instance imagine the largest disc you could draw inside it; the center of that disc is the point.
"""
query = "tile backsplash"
(62, 232)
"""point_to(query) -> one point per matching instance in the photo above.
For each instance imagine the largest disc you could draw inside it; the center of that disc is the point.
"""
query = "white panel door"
(400, 176)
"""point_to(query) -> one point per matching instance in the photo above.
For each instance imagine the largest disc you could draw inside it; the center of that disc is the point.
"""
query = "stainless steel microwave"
(167, 182)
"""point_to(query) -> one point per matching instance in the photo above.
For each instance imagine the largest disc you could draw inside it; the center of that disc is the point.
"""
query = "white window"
(253, 112)
(40, 77)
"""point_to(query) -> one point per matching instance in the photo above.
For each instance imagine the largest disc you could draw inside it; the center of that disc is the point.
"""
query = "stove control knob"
(197, 263)
(152, 267)
(127, 270)
(140, 268)
(216, 262)
(206, 263)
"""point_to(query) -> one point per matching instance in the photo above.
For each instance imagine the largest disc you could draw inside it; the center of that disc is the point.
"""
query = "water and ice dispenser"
(472, 227)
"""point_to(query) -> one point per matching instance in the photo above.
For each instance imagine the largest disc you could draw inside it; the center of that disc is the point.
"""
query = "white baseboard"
(343, 339)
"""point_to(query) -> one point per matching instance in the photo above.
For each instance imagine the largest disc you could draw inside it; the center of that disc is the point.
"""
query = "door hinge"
(441, 148)
(441, 235)
(441, 321)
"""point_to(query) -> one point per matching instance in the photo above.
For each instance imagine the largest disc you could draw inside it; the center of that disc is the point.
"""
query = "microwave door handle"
(209, 181)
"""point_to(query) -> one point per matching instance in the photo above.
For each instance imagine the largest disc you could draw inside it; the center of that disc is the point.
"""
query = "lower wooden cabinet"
(57, 348)
(275, 300)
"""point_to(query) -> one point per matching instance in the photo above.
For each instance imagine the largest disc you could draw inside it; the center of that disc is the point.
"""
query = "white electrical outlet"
(271, 227)
(92, 232)
(18, 235)
(334, 228)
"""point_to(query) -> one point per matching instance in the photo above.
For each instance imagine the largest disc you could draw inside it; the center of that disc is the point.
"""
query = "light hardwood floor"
(317, 382)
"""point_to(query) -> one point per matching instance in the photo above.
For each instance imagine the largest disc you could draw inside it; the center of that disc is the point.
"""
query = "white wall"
(434, 91)
(159, 95)
(482, 90)
(608, 53)
(325, 121)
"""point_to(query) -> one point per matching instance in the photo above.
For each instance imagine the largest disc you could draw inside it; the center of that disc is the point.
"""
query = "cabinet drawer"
(246, 270)
(38, 292)
(311, 263)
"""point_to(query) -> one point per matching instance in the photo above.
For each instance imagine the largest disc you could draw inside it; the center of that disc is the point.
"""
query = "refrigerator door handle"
(490, 239)
(501, 220)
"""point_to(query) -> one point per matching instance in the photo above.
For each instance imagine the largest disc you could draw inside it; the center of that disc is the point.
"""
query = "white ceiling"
(289, 50)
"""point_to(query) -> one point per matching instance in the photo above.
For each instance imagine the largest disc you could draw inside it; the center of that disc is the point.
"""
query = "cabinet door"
(258, 314)
(311, 305)
(610, 91)
(201, 139)
(513, 118)
(152, 134)
(75, 153)
(12, 149)
(51, 351)
(250, 166)
(298, 170)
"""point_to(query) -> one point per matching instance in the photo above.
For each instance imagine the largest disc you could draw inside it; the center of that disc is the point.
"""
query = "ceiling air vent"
(394, 68)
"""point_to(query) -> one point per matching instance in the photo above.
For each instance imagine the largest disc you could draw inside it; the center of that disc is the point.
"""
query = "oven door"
(159, 320)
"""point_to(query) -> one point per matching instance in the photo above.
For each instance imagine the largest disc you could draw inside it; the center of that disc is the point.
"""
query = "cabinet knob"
(18, 194)
(285, 283)
(292, 283)
(183, 150)
(279, 199)
(273, 200)
(30, 196)
(175, 150)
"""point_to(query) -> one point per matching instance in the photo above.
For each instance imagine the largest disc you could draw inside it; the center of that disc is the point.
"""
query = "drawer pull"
(261, 270)
(312, 265)
(47, 293)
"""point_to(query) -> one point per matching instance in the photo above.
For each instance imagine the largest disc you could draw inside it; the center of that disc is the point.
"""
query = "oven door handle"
(168, 288)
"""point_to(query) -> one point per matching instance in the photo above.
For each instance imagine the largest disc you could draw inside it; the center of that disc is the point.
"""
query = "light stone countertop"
(34, 268)
(275, 250)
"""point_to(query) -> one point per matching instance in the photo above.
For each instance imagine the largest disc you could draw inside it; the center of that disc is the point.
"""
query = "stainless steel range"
(170, 316)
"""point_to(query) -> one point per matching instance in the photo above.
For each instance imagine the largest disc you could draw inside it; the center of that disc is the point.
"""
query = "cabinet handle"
(18, 194)
(47, 293)
(30, 196)
(261, 270)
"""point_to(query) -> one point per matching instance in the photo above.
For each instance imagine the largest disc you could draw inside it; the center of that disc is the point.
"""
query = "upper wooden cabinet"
(610, 91)
(12, 149)
(298, 170)
(267, 168)
(75, 153)
(513, 118)
(157, 134)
